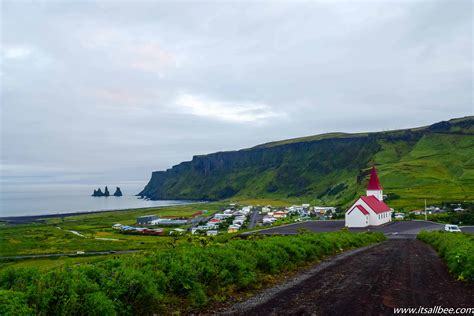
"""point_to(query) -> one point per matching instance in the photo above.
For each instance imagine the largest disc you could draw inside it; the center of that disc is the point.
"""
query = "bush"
(456, 249)
(181, 278)
(14, 303)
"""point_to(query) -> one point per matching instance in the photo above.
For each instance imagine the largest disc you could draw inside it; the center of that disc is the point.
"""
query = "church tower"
(375, 188)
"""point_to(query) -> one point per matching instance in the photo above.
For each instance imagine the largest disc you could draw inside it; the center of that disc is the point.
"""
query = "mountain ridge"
(331, 168)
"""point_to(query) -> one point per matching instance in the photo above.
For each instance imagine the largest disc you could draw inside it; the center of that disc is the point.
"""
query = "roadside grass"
(181, 279)
(46, 264)
(456, 249)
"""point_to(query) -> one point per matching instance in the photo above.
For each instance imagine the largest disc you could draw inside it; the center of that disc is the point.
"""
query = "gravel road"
(396, 273)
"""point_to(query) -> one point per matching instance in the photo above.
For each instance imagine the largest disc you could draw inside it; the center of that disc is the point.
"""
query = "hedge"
(456, 249)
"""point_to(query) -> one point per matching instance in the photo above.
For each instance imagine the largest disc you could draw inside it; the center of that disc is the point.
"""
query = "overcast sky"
(109, 91)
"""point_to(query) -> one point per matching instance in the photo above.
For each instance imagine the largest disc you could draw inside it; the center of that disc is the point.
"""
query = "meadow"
(185, 277)
(53, 234)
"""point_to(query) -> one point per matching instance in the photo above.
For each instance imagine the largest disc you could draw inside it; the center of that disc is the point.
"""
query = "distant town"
(235, 218)
(230, 220)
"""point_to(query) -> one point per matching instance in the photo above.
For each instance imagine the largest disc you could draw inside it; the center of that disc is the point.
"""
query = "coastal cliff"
(331, 167)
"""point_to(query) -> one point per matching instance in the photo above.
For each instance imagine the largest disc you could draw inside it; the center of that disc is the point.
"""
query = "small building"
(280, 214)
(169, 222)
(232, 230)
(117, 226)
(266, 209)
(268, 220)
(247, 209)
(144, 220)
(211, 233)
(323, 210)
(211, 226)
(369, 210)
(236, 227)
(177, 231)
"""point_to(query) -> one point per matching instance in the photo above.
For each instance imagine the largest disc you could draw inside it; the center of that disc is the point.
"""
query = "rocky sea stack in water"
(98, 192)
(118, 192)
(106, 192)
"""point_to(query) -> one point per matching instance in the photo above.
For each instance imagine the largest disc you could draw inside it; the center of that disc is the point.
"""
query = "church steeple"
(374, 187)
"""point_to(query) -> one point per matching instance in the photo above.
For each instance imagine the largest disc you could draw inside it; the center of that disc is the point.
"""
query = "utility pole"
(426, 216)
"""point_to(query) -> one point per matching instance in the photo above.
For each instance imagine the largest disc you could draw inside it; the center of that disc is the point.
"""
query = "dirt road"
(396, 273)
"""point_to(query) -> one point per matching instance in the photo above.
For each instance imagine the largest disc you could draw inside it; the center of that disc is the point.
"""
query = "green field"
(46, 237)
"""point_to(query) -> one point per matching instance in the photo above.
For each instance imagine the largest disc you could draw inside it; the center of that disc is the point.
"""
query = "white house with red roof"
(369, 210)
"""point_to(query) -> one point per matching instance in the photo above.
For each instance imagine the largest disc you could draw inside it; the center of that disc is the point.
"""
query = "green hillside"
(435, 162)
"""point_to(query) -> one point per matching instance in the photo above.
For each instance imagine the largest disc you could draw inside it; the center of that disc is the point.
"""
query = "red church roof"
(376, 205)
(374, 182)
(362, 209)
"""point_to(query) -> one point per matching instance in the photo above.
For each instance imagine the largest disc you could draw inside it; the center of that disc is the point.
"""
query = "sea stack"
(118, 192)
(98, 192)
(106, 192)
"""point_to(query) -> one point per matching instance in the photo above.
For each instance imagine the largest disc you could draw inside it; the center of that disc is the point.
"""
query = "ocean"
(18, 200)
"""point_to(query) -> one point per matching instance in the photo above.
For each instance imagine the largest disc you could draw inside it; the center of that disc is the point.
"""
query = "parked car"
(452, 228)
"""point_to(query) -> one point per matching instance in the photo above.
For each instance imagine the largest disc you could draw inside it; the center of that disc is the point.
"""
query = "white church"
(369, 210)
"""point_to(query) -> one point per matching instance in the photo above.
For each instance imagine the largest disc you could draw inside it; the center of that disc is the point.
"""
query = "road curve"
(396, 273)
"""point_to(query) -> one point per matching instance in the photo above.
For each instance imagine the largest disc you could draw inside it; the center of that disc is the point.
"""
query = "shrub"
(456, 249)
(14, 303)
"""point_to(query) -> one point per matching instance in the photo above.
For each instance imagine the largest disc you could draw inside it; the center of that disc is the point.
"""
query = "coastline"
(26, 219)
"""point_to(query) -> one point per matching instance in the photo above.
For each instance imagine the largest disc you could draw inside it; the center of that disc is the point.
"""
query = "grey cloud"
(92, 89)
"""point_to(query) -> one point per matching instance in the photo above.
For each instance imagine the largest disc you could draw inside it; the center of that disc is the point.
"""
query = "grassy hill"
(435, 162)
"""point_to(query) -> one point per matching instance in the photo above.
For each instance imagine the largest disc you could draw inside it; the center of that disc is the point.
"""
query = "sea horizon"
(49, 199)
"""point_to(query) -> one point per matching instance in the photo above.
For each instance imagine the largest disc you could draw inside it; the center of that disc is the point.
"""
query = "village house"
(279, 214)
(399, 216)
(369, 210)
(266, 209)
(323, 210)
(117, 226)
(268, 220)
(232, 229)
(144, 220)
(417, 212)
